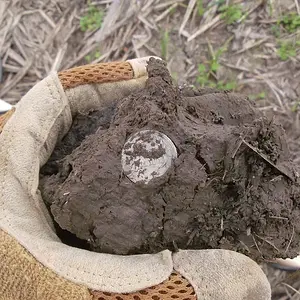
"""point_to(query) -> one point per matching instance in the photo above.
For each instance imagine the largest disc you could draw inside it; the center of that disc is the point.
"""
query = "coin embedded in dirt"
(146, 155)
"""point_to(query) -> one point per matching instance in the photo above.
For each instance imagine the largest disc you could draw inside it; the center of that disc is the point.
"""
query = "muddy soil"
(232, 185)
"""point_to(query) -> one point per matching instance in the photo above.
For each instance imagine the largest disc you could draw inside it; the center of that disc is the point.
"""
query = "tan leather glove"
(34, 264)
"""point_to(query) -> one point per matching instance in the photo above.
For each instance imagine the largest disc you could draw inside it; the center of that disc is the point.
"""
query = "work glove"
(35, 264)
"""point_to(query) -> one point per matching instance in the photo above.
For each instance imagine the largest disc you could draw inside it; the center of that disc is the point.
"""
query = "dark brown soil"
(232, 186)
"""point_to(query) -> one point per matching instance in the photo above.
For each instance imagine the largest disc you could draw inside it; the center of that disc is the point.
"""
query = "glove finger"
(103, 73)
(84, 84)
(222, 274)
(88, 87)
(23, 277)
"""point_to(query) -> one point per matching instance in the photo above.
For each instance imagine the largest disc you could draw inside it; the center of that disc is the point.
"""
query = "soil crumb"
(232, 185)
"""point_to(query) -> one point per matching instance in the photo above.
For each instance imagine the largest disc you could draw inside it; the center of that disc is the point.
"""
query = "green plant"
(228, 86)
(164, 44)
(276, 30)
(172, 11)
(174, 76)
(204, 79)
(259, 96)
(92, 56)
(271, 8)
(200, 8)
(97, 54)
(207, 73)
(92, 20)
(215, 56)
(216, 2)
(287, 49)
(231, 13)
(295, 107)
(88, 58)
(203, 76)
(291, 22)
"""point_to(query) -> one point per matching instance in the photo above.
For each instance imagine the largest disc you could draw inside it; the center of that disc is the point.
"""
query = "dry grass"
(37, 37)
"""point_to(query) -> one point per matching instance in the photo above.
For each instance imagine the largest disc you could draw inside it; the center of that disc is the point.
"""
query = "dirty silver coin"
(146, 155)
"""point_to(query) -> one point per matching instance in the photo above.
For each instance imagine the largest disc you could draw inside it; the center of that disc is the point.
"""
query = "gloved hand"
(35, 264)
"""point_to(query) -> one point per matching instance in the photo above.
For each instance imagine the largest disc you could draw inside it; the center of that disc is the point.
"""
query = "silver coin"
(146, 155)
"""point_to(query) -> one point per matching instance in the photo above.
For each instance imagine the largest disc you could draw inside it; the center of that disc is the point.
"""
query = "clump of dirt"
(232, 185)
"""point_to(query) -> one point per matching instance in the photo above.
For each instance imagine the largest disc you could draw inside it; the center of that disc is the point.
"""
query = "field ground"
(251, 47)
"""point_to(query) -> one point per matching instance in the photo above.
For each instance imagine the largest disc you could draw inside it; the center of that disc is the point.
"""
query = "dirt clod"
(232, 185)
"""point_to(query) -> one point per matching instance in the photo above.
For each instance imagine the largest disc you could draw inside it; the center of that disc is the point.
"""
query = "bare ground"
(37, 37)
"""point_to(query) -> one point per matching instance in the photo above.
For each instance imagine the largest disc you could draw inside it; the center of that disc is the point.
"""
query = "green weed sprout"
(92, 20)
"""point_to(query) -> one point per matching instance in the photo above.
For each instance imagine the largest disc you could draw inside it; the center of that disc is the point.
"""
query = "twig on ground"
(274, 90)
(246, 14)
(59, 57)
(147, 23)
(297, 6)
(187, 15)
(20, 47)
(290, 287)
(15, 56)
(252, 45)
(148, 5)
(165, 13)
(152, 50)
(6, 30)
(16, 78)
(166, 4)
(205, 27)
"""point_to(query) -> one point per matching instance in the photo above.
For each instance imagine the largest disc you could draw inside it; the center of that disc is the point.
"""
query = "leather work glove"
(36, 265)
